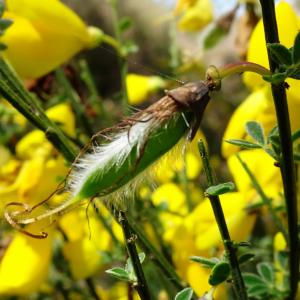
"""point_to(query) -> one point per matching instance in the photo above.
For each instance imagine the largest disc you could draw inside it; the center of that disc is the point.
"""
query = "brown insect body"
(194, 96)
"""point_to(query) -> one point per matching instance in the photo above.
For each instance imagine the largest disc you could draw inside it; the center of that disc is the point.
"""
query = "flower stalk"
(287, 162)
(238, 282)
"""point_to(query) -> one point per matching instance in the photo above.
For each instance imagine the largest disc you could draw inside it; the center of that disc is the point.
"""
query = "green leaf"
(266, 271)
(213, 37)
(185, 294)
(219, 273)
(294, 71)
(296, 49)
(276, 78)
(245, 258)
(125, 23)
(5, 23)
(243, 144)
(205, 262)
(297, 156)
(2, 47)
(129, 267)
(280, 54)
(119, 273)
(252, 280)
(220, 189)
(258, 291)
(256, 131)
(296, 135)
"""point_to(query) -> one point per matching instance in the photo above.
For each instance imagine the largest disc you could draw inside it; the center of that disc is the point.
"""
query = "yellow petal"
(171, 195)
(25, 264)
(63, 115)
(196, 16)
(256, 107)
(83, 256)
(262, 166)
(43, 36)
(257, 51)
(139, 87)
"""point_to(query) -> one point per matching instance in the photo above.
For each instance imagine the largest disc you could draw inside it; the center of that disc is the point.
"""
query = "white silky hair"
(113, 153)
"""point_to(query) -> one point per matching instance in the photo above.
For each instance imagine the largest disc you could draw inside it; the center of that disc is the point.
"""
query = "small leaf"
(2, 47)
(297, 156)
(125, 23)
(243, 144)
(280, 54)
(185, 294)
(294, 71)
(213, 37)
(258, 291)
(276, 78)
(219, 273)
(220, 189)
(296, 135)
(256, 131)
(246, 258)
(296, 49)
(129, 267)
(118, 273)
(253, 280)
(266, 271)
(5, 23)
(274, 132)
(205, 262)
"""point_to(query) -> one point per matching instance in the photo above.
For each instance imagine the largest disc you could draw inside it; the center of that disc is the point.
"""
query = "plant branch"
(13, 91)
(287, 162)
(130, 239)
(238, 282)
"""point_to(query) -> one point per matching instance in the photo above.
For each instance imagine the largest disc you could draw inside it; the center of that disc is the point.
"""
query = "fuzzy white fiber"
(112, 153)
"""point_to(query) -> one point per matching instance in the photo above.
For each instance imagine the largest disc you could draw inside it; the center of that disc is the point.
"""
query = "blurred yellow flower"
(22, 178)
(25, 263)
(87, 240)
(140, 87)
(194, 14)
(257, 51)
(44, 35)
(259, 106)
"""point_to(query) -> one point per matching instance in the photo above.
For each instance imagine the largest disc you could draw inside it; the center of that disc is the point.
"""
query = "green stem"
(161, 262)
(14, 92)
(121, 56)
(73, 97)
(241, 67)
(130, 238)
(264, 198)
(238, 282)
(92, 289)
(287, 162)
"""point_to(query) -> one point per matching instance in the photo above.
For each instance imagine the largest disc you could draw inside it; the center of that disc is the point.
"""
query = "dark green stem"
(238, 282)
(130, 239)
(14, 92)
(73, 97)
(92, 289)
(267, 201)
(287, 162)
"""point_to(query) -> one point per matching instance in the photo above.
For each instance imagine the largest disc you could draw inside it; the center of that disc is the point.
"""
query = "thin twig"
(130, 239)
(238, 282)
(287, 162)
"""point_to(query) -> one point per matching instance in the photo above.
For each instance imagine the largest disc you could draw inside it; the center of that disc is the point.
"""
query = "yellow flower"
(195, 14)
(140, 87)
(44, 35)
(25, 263)
(22, 178)
(257, 51)
(259, 105)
